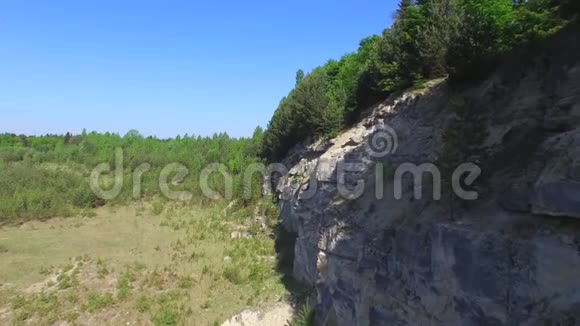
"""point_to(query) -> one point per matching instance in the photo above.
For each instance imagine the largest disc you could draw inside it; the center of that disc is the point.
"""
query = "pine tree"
(406, 31)
(299, 77)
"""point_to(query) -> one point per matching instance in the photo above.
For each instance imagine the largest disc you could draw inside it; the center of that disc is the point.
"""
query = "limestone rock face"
(511, 257)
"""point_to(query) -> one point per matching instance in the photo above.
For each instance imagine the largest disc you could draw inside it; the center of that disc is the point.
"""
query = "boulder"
(326, 169)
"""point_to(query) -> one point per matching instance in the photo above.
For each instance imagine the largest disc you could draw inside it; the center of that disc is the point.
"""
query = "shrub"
(124, 285)
(158, 207)
(96, 301)
(305, 316)
(186, 282)
(233, 274)
(143, 304)
(165, 317)
(28, 192)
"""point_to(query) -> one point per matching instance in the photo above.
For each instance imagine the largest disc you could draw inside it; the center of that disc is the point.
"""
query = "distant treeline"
(461, 39)
(46, 176)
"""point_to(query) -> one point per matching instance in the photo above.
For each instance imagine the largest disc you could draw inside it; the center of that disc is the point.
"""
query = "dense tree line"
(461, 39)
(48, 175)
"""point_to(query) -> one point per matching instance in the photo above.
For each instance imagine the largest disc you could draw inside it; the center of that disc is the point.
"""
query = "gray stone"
(557, 199)
(575, 110)
(516, 198)
(574, 171)
(321, 146)
(354, 141)
(326, 170)
(557, 120)
(568, 102)
(278, 315)
(240, 235)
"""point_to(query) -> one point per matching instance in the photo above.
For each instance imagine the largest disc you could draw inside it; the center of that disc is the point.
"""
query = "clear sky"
(166, 67)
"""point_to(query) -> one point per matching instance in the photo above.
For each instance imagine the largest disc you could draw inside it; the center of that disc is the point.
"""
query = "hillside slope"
(510, 257)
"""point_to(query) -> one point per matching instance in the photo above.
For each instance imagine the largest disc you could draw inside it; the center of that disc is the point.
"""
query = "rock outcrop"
(277, 315)
(510, 257)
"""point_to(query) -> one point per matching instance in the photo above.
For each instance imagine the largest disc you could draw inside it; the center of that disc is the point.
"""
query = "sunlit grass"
(175, 265)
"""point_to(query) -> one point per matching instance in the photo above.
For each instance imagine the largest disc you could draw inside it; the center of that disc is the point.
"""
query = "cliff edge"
(509, 257)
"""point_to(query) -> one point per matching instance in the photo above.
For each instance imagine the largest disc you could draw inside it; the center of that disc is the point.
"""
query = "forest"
(46, 176)
(458, 39)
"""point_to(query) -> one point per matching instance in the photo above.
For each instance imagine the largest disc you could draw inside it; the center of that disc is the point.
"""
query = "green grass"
(118, 238)
(66, 281)
(165, 317)
(233, 274)
(189, 271)
(143, 304)
(157, 207)
(34, 192)
(124, 285)
(97, 301)
(186, 282)
(44, 306)
(305, 317)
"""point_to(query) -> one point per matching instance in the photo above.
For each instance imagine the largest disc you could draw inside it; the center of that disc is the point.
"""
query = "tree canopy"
(461, 39)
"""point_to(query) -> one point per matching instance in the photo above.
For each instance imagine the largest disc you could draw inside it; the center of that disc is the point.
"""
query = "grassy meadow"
(147, 263)
(70, 257)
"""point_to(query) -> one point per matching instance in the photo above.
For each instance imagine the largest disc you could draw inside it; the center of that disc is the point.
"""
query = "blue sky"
(166, 67)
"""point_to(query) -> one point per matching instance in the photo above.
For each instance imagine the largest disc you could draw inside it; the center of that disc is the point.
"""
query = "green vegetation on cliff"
(429, 39)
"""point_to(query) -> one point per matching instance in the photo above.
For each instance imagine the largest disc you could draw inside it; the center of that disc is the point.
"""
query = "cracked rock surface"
(511, 257)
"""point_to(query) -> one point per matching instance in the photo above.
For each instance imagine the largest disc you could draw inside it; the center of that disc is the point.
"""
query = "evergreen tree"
(407, 29)
(299, 76)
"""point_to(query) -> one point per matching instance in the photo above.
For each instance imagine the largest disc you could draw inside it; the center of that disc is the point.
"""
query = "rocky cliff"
(510, 257)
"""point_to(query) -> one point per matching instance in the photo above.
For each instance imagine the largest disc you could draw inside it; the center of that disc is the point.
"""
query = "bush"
(96, 301)
(165, 317)
(305, 316)
(233, 274)
(124, 285)
(11, 155)
(28, 192)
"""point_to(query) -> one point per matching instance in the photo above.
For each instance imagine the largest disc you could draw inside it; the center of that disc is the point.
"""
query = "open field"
(143, 264)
